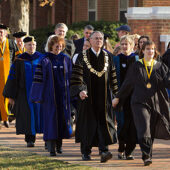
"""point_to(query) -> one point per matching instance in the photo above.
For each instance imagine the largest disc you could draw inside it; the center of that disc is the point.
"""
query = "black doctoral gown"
(95, 112)
(154, 98)
(28, 117)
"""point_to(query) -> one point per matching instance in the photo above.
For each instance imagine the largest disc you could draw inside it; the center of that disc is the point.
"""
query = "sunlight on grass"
(11, 159)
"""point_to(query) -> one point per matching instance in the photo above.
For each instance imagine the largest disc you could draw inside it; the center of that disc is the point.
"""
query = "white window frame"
(93, 10)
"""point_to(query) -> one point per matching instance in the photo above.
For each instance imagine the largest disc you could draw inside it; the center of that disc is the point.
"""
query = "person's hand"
(115, 101)
(83, 95)
(11, 101)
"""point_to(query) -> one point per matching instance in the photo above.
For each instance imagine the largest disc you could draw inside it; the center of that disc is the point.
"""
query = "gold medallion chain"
(92, 70)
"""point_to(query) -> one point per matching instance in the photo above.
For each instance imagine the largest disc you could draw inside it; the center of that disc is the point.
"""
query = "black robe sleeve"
(77, 84)
(113, 78)
(70, 48)
(13, 49)
(165, 76)
(11, 86)
(166, 58)
(127, 86)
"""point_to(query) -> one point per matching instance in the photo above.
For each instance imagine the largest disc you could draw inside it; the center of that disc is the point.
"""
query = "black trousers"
(59, 143)
(52, 145)
(30, 138)
(146, 145)
(127, 135)
(128, 148)
(145, 121)
(86, 149)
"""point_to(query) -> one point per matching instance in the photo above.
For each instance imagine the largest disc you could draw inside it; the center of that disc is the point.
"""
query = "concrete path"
(71, 152)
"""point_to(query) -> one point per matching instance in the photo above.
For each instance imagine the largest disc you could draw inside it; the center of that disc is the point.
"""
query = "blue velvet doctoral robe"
(51, 89)
(18, 85)
(125, 124)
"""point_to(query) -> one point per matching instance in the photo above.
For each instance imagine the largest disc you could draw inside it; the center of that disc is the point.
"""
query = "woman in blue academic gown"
(51, 89)
(125, 124)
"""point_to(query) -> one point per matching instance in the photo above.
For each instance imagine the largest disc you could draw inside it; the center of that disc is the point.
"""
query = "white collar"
(96, 53)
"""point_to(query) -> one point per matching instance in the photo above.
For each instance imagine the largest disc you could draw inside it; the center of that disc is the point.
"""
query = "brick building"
(146, 17)
(70, 11)
(40, 17)
(95, 10)
(151, 17)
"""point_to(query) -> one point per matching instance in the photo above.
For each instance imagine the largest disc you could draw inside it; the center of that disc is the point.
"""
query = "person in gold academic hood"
(7, 54)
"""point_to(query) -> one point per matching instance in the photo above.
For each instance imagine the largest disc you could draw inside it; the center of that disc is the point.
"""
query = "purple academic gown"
(51, 88)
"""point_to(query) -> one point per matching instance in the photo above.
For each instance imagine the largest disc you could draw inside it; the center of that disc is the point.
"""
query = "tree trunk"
(19, 19)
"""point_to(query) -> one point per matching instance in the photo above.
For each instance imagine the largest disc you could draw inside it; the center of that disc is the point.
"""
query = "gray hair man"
(61, 31)
(94, 81)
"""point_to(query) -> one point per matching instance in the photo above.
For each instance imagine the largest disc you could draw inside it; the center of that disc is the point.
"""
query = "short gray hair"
(89, 27)
(59, 25)
(95, 33)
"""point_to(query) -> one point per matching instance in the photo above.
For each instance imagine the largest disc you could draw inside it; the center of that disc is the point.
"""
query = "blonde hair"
(46, 45)
(129, 39)
(135, 36)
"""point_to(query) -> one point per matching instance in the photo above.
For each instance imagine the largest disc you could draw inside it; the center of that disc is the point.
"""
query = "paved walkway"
(71, 152)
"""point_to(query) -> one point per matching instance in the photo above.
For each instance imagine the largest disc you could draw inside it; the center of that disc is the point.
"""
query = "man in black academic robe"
(94, 82)
(17, 90)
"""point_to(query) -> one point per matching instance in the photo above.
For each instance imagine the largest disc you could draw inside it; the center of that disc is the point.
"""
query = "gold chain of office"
(92, 70)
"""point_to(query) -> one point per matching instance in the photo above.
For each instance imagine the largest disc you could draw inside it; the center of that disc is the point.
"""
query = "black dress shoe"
(30, 144)
(11, 118)
(59, 150)
(6, 124)
(45, 146)
(52, 153)
(121, 155)
(130, 157)
(147, 162)
(105, 156)
(86, 157)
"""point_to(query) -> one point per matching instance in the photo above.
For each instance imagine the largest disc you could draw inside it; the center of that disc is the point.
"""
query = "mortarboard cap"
(19, 34)
(124, 28)
(28, 39)
(2, 26)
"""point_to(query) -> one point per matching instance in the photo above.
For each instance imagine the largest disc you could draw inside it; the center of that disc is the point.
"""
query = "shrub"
(41, 34)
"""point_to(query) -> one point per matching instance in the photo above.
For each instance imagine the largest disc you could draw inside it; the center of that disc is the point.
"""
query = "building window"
(92, 10)
(135, 3)
(123, 10)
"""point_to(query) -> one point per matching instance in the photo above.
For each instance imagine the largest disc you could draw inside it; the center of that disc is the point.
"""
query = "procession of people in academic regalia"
(106, 94)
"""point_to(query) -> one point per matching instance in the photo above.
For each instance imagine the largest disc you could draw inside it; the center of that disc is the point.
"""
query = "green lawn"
(11, 159)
